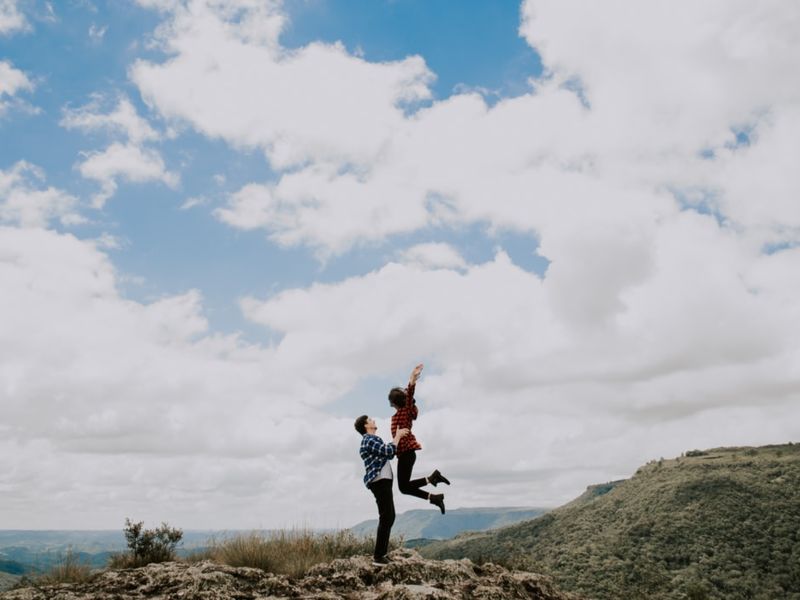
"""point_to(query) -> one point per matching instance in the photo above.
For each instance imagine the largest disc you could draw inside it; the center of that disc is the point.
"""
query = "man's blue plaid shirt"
(375, 453)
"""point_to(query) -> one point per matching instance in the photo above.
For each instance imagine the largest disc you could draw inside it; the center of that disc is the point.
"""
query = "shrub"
(147, 546)
(288, 552)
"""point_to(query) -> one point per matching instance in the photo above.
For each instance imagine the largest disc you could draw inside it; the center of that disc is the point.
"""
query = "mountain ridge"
(431, 525)
(718, 523)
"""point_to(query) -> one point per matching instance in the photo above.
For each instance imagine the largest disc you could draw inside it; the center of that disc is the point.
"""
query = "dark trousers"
(405, 464)
(382, 490)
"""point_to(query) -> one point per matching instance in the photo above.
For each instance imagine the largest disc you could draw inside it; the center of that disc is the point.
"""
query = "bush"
(288, 552)
(147, 546)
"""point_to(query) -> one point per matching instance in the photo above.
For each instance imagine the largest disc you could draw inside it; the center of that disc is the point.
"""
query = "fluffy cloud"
(433, 255)
(124, 161)
(135, 406)
(229, 78)
(654, 170)
(694, 98)
(123, 119)
(653, 111)
(656, 173)
(12, 81)
(23, 200)
(131, 161)
(11, 19)
(695, 343)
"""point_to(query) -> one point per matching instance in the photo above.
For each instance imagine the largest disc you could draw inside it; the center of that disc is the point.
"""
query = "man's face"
(371, 427)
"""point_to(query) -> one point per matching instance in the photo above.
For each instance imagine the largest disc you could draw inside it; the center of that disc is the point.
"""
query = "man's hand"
(415, 374)
(399, 434)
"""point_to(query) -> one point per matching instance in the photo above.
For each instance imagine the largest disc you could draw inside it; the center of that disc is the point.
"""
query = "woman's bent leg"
(405, 465)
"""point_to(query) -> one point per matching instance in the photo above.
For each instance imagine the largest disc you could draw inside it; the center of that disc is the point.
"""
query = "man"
(378, 478)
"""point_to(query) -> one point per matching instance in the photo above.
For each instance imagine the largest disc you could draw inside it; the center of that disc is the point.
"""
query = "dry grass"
(288, 552)
(69, 569)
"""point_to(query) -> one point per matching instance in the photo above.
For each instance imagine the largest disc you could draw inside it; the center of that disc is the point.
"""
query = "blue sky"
(227, 228)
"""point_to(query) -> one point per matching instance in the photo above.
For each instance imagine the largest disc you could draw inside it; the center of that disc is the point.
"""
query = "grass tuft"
(71, 568)
(287, 552)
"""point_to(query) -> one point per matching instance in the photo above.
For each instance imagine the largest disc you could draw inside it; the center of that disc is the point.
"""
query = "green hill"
(431, 525)
(722, 523)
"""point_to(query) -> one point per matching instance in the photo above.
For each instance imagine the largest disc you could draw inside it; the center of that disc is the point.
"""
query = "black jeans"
(405, 464)
(382, 490)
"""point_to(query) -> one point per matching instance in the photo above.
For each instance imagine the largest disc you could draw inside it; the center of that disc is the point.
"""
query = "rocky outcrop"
(408, 577)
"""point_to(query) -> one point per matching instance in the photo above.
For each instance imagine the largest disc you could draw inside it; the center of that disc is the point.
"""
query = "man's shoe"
(436, 478)
(380, 562)
(437, 500)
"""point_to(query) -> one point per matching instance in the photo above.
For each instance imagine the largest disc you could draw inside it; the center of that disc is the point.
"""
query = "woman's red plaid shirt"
(402, 419)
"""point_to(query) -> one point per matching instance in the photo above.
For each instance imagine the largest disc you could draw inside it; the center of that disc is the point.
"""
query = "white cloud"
(131, 161)
(123, 408)
(106, 241)
(11, 19)
(97, 33)
(229, 79)
(695, 342)
(25, 202)
(662, 87)
(193, 202)
(652, 322)
(433, 256)
(12, 81)
(655, 328)
(124, 119)
(124, 161)
(666, 84)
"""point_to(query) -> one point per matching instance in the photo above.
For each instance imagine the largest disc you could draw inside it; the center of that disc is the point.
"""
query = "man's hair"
(361, 424)
(397, 397)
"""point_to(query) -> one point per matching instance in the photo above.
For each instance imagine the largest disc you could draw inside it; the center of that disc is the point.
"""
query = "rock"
(407, 577)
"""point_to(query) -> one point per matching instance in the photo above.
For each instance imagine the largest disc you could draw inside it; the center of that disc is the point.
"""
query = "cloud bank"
(656, 173)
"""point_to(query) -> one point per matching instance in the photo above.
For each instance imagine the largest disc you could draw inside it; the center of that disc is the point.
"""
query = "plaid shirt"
(375, 453)
(402, 419)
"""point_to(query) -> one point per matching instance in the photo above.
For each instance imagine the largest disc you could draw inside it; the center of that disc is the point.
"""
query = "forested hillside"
(721, 523)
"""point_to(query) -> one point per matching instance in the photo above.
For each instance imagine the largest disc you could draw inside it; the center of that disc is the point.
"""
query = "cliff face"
(409, 576)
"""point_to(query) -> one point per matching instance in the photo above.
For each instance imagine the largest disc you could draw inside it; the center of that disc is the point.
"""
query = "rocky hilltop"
(408, 577)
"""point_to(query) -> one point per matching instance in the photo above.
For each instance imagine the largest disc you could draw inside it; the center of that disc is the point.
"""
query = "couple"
(376, 456)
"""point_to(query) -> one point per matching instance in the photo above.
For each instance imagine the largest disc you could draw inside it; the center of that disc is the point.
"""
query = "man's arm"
(376, 446)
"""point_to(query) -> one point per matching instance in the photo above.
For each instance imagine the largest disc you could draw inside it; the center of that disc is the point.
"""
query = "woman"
(402, 400)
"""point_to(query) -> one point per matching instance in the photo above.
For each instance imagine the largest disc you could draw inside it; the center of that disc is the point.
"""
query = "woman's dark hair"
(361, 424)
(397, 397)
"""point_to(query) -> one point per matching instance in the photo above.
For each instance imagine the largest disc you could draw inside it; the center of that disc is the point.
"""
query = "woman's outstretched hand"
(415, 374)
